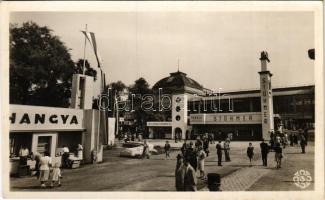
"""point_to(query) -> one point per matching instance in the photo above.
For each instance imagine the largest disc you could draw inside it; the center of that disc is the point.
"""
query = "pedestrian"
(295, 139)
(189, 176)
(285, 140)
(37, 157)
(278, 155)
(250, 152)
(56, 175)
(209, 138)
(306, 136)
(145, 153)
(80, 152)
(291, 139)
(179, 177)
(206, 146)
(201, 158)
(226, 146)
(264, 151)
(192, 153)
(277, 139)
(214, 182)
(303, 143)
(45, 164)
(272, 139)
(183, 148)
(219, 152)
(167, 149)
(199, 142)
(65, 157)
(23, 155)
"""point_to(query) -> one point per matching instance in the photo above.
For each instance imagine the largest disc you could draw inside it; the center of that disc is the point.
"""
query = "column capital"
(265, 72)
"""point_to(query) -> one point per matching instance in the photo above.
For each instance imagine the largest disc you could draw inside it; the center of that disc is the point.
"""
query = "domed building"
(241, 115)
(176, 90)
(179, 82)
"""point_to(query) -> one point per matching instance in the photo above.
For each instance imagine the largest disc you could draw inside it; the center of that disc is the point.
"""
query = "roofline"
(279, 89)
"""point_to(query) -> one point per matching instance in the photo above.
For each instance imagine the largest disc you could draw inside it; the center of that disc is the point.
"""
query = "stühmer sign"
(39, 118)
(162, 124)
(226, 118)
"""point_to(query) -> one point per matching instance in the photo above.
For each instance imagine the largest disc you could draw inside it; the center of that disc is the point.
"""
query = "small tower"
(179, 115)
(266, 97)
(82, 92)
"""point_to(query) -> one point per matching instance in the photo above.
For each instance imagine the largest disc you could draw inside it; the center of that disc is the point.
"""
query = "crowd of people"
(47, 170)
(190, 161)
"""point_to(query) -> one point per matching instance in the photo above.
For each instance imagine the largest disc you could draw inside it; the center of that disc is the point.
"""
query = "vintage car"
(135, 149)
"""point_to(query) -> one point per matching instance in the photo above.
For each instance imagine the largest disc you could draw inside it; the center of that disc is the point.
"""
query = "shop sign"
(161, 124)
(227, 118)
(37, 118)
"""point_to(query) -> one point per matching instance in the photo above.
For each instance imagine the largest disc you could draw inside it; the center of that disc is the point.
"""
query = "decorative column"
(266, 97)
(179, 115)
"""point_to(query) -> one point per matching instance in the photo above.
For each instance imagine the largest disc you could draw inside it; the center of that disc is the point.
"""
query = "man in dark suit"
(186, 177)
(219, 152)
(264, 151)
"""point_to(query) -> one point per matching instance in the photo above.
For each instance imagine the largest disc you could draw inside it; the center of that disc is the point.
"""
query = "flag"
(92, 40)
(103, 115)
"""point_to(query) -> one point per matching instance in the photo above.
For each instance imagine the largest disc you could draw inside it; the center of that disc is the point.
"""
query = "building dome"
(179, 82)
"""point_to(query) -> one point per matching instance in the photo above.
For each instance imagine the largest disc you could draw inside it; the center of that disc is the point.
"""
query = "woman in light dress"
(45, 164)
(201, 158)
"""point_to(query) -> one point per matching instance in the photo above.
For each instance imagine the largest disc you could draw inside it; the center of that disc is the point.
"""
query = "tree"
(116, 88)
(88, 70)
(41, 67)
(140, 88)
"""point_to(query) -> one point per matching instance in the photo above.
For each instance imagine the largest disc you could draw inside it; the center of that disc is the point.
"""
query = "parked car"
(135, 149)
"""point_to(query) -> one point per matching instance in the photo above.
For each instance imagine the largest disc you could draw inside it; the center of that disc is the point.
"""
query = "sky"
(217, 49)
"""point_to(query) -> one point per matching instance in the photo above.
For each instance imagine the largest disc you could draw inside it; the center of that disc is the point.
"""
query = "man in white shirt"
(23, 154)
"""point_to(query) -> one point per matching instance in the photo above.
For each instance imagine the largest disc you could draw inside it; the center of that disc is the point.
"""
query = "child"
(56, 175)
(250, 152)
(167, 149)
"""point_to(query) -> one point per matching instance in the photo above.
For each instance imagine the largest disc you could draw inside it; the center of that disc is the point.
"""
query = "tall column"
(179, 115)
(266, 97)
(82, 92)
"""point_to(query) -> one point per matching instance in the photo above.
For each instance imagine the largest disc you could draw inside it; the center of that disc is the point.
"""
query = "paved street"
(157, 174)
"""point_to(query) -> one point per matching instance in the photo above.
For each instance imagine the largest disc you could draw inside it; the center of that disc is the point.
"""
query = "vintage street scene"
(162, 101)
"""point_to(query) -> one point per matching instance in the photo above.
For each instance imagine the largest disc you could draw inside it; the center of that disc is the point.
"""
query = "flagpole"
(84, 64)
(117, 117)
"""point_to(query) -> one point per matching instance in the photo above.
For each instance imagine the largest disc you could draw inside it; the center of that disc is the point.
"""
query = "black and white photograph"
(164, 99)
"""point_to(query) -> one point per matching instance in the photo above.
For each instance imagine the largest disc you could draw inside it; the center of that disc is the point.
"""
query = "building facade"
(48, 129)
(245, 115)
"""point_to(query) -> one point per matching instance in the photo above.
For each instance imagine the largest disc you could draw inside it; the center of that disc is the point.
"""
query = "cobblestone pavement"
(242, 179)
(157, 174)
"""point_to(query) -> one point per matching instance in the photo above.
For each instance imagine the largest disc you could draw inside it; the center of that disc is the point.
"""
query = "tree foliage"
(88, 69)
(140, 88)
(41, 67)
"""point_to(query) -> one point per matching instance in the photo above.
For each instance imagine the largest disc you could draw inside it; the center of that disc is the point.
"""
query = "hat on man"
(213, 179)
